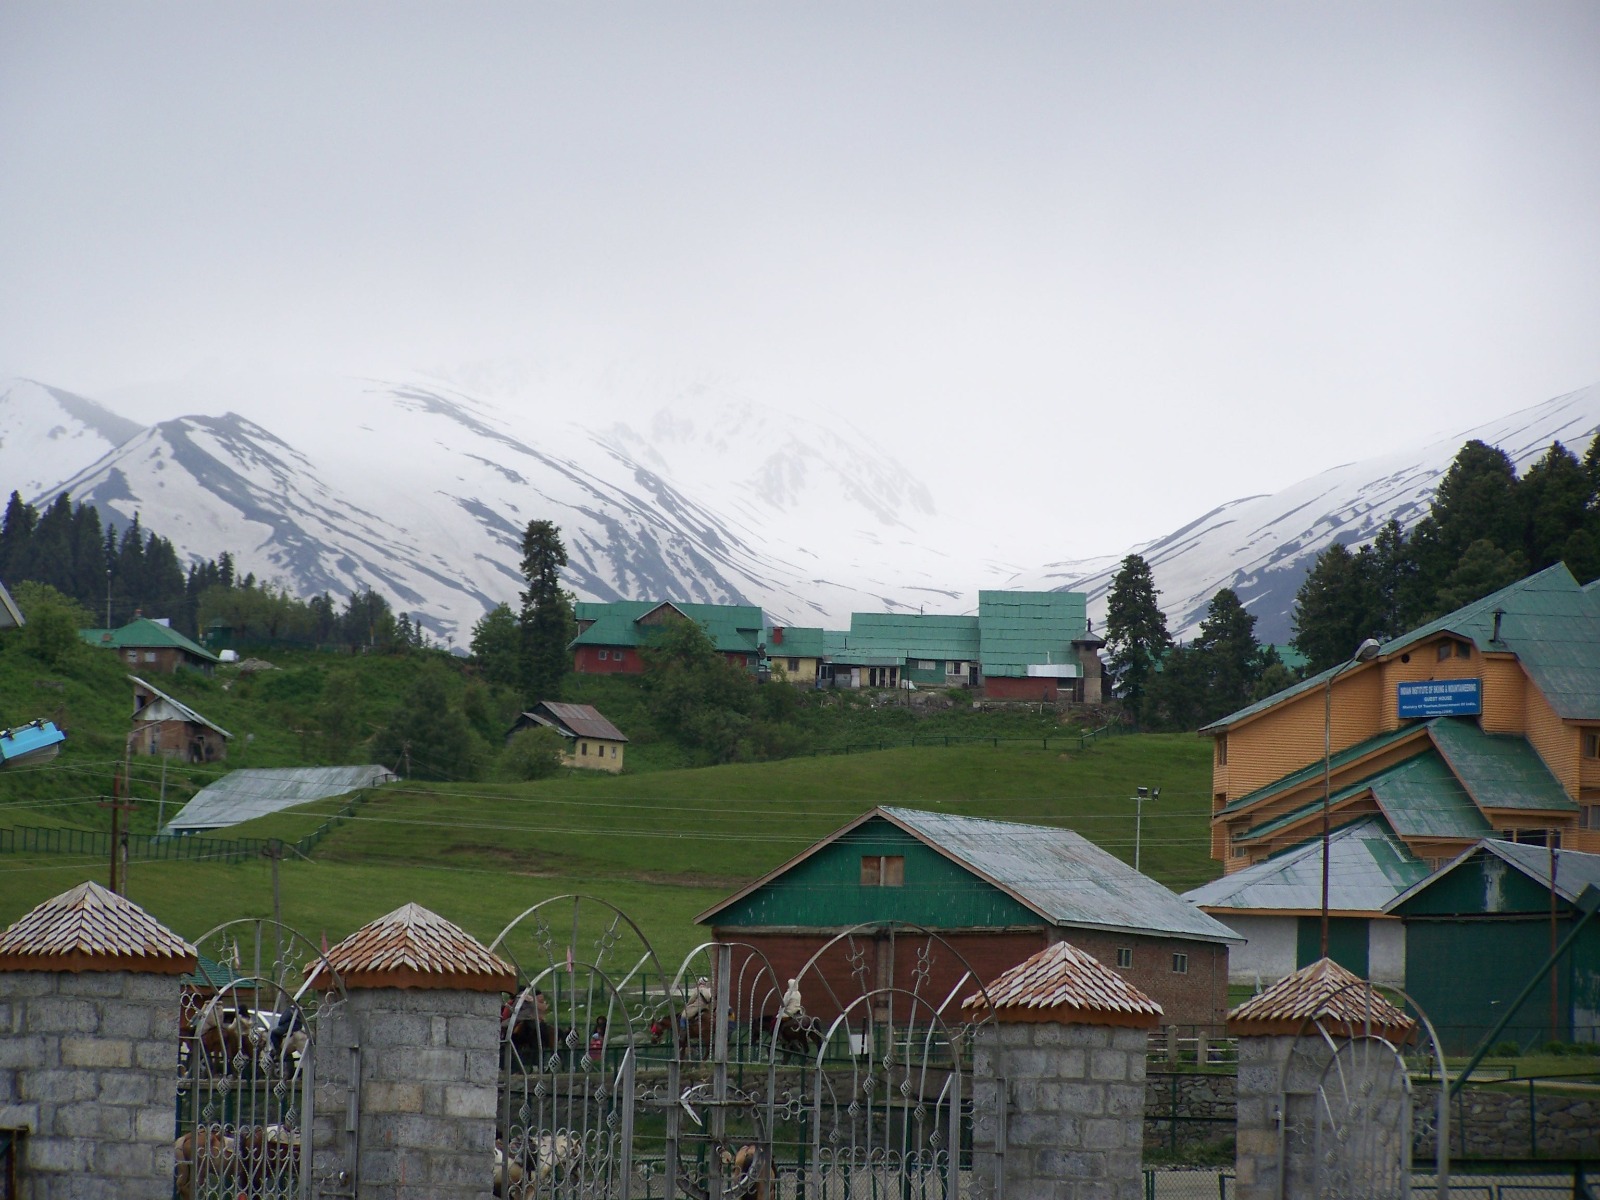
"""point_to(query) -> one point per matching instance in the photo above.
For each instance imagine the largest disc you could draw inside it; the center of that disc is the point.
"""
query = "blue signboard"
(1441, 698)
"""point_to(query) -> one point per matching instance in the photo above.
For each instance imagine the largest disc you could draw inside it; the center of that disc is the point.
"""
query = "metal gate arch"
(247, 1086)
(894, 1115)
(1345, 1103)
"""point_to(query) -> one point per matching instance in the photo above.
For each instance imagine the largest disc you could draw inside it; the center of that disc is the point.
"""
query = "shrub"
(533, 754)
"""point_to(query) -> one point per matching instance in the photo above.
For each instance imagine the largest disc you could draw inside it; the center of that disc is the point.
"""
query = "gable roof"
(1547, 620)
(1498, 770)
(1019, 630)
(165, 708)
(799, 641)
(574, 720)
(732, 628)
(1064, 977)
(1056, 873)
(1368, 867)
(1575, 871)
(142, 633)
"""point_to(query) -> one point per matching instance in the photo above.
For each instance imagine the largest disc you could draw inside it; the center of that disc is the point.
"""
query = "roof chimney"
(1498, 613)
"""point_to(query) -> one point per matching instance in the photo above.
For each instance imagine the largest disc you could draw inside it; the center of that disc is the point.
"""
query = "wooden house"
(593, 743)
(795, 654)
(612, 635)
(153, 647)
(997, 891)
(1483, 723)
(168, 727)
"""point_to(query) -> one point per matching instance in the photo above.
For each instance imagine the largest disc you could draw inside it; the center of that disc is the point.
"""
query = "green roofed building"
(795, 653)
(612, 634)
(154, 647)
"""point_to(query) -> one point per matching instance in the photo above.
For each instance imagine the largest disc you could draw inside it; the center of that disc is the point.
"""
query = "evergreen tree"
(1475, 501)
(497, 646)
(1484, 568)
(1334, 608)
(1230, 658)
(1554, 498)
(1392, 571)
(16, 537)
(697, 694)
(1136, 631)
(1175, 696)
(52, 546)
(547, 620)
(427, 737)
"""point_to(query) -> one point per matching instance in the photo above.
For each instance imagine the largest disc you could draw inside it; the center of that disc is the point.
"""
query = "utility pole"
(161, 803)
(1138, 819)
(119, 849)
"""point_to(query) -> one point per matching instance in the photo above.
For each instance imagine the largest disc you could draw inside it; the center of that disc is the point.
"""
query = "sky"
(1089, 269)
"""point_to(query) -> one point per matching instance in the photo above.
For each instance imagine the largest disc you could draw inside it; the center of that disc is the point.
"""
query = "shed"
(1496, 905)
(593, 743)
(1277, 906)
(168, 727)
(244, 795)
(998, 891)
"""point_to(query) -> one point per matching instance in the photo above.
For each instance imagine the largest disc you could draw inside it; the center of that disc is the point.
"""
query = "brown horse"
(201, 1158)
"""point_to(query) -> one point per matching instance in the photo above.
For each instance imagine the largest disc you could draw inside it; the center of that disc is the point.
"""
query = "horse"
(269, 1155)
(223, 1034)
(287, 1043)
(691, 1032)
(794, 1037)
(201, 1158)
(533, 1036)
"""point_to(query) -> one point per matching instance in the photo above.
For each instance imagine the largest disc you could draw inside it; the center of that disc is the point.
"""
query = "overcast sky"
(1175, 252)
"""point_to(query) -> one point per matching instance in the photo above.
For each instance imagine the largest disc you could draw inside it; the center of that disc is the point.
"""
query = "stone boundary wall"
(1495, 1124)
(88, 1066)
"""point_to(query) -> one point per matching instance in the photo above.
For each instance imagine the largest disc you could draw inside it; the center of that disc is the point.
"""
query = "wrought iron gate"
(247, 1075)
(1347, 1121)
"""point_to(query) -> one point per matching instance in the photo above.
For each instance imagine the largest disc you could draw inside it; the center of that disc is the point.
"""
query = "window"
(1222, 749)
(883, 870)
(955, 668)
(1124, 956)
(1589, 816)
(132, 656)
(583, 749)
(926, 664)
(604, 655)
(1443, 651)
(149, 656)
(1180, 964)
(794, 664)
(1239, 851)
(1591, 745)
(613, 752)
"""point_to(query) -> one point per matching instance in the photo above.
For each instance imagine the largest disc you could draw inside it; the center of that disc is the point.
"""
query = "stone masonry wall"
(429, 1092)
(1074, 1108)
(88, 1065)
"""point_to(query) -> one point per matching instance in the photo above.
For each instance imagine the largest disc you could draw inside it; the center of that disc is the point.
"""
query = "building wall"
(618, 660)
(1269, 951)
(1387, 952)
(162, 660)
(1197, 996)
(1557, 743)
(178, 739)
(596, 754)
(1001, 687)
(799, 670)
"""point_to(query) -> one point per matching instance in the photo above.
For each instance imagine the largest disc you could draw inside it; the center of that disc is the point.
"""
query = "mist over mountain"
(419, 487)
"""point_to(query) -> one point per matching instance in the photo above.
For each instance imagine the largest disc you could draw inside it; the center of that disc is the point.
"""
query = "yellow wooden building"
(1484, 723)
(593, 743)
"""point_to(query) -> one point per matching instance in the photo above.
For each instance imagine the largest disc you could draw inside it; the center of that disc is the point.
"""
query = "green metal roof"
(1368, 867)
(734, 628)
(144, 634)
(798, 642)
(1023, 629)
(888, 639)
(1547, 620)
(1422, 798)
(1498, 770)
(1314, 771)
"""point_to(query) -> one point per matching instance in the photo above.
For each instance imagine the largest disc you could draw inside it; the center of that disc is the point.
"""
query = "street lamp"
(1138, 818)
(1366, 652)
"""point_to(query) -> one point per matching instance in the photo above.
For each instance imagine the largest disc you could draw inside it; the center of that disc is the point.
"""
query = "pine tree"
(1554, 498)
(1136, 631)
(1475, 501)
(1230, 656)
(547, 620)
(1334, 607)
(497, 646)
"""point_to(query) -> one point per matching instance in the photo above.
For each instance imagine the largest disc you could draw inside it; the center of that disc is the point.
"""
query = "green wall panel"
(824, 891)
(1348, 939)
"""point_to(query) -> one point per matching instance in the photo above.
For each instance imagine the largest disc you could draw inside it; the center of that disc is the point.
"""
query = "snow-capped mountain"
(420, 488)
(421, 492)
(1262, 546)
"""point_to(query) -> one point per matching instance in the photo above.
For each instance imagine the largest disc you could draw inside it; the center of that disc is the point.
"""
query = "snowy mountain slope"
(47, 434)
(1262, 546)
(422, 492)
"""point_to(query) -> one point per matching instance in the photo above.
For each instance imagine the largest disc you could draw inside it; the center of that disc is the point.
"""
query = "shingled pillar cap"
(93, 929)
(415, 948)
(1324, 993)
(1065, 985)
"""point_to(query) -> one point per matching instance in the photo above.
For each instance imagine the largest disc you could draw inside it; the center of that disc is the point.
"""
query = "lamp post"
(1366, 652)
(1138, 818)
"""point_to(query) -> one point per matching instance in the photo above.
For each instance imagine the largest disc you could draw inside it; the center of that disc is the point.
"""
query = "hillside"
(662, 844)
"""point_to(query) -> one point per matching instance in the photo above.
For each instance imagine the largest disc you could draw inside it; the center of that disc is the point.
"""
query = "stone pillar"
(423, 1005)
(89, 995)
(1058, 1098)
(1282, 1058)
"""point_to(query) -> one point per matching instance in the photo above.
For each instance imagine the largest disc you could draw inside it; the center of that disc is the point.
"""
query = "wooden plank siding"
(1558, 743)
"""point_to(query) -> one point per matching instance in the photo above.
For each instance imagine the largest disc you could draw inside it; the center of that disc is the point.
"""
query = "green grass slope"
(662, 846)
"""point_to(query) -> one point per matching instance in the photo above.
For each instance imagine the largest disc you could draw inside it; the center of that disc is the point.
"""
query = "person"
(597, 1038)
(792, 1009)
(699, 999)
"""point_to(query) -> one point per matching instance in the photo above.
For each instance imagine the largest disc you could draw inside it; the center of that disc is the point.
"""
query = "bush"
(533, 754)
(52, 623)
(1505, 1050)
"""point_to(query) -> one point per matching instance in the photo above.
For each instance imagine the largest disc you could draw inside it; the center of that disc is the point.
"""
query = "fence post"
(91, 1045)
(423, 999)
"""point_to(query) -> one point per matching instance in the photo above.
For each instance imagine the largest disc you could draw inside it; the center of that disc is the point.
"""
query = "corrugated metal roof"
(1574, 870)
(1062, 875)
(580, 720)
(733, 628)
(415, 947)
(1368, 867)
(1064, 977)
(1023, 629)
(1313, 771)
(244, 795)
(176, 709)
(1498, 770)
(1337, 999)
(1421, 798)
(799, 641)
(891, 638)
(144, 634)
(91, 928)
